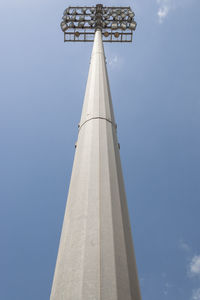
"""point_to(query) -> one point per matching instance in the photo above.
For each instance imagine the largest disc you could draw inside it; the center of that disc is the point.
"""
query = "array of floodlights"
(80, 23)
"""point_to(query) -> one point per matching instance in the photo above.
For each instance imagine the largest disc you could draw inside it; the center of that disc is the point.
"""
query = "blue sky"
(156, 97)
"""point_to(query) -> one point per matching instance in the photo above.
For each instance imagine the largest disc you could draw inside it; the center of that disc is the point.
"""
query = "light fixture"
(123, 26)
(91, 22)
(84, 9)
(106, 17)
(63, 26)
(81, 24)
(131, 14)
(71, 25)
(92, 10)
(81, 18)
(66, 11)
(114, 25)
(130, 19)
(73, 18)
(66, 18)
(133, 25)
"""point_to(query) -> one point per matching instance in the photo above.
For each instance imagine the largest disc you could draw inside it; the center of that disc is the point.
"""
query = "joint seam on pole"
(95, 118)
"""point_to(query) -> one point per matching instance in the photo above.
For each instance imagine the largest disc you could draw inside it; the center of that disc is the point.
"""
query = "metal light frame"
(80, 23)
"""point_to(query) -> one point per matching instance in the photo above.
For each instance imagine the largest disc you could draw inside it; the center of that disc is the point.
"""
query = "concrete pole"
(96, 258)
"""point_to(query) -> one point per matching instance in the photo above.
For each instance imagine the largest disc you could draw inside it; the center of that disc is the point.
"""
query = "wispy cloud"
(195, 266)
(196, 294)
(167, 287)
(164, 7)
(113, 60)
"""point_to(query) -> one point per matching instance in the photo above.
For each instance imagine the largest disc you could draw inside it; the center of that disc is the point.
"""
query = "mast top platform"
(79, 23)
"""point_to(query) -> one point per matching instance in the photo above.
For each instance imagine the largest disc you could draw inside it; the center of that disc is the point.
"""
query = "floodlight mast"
(96, 257)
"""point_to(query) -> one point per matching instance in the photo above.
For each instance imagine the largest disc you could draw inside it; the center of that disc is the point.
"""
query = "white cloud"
(195, 266)
(163, 12)
(164, 7)
(196, 294)
(113, 61)
(194, 270)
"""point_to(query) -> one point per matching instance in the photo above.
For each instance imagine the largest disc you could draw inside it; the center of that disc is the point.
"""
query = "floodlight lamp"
(129, 19)
(65, 18)
(81, 24)
(73, 18)
(91, 22)
(63, 26)
(107, 22)
(133, 25)
(123, 15)
(84, 9)
(131, 14)
(114, 25)
(123, 26)
(66, 11)
(92, 10)
(71, 25)
(81, 18)
(106, 17)
(74, 12)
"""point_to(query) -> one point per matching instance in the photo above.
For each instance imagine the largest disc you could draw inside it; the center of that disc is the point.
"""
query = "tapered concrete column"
(96, 258)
